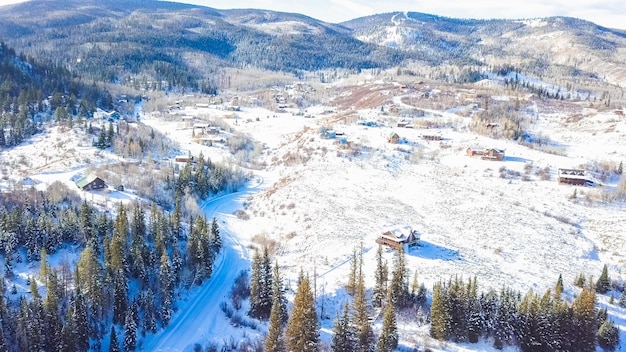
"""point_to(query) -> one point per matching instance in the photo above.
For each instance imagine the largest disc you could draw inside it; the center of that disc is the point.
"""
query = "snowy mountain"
(177, 39)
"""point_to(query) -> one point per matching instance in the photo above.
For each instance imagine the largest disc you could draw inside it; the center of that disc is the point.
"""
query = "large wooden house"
(486, 154)
(90, 182)
(404, 237)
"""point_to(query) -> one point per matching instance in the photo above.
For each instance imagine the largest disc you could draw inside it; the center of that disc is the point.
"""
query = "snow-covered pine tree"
(265, 293)
(130, 331)
(344, 335)
(255, 285)
(608, 336)
(278, 292)
(114, 345)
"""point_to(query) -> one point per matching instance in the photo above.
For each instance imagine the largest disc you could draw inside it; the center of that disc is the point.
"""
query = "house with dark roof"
(90, 182)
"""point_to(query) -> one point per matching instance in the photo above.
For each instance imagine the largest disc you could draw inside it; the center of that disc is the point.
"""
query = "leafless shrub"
(263, 241)
(543, 174)
(528, 168)
(242, 215)
(620, 190)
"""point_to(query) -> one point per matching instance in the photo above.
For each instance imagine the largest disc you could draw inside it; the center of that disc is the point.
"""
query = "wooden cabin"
(90, 182)
(393, 138)
(404, 237)
(576, 177)
(486, 154)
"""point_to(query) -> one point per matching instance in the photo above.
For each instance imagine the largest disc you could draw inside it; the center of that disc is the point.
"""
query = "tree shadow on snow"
(516, 159)
(429, 250)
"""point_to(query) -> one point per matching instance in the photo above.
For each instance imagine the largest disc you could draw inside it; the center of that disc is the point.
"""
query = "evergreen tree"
(608, 336)
(528, 337)
(399, 287)
(120, 297)
(558, 289)
(457, 300)
(506, 318)
(278, 295)
(364, 333)
(603, 285)
(344, 336)
(43, 265)
(130, 329)
(440, 313)
(53, 324)
(622, 299)
(380, 286)
(261, 286)
(584, 321)
(265, 298)
(275, 341)
(351, 285)
(388, 339)
(302, 333)
(113, 343)
(216, 239)
(255, 284)
(166, 286)
(475, 318)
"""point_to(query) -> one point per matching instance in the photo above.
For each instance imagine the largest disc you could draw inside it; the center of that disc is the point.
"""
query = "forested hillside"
(157, 45)
(160, 45)
(32, 92)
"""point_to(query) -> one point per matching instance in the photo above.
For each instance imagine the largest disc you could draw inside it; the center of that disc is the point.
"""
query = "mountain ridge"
(186, 45)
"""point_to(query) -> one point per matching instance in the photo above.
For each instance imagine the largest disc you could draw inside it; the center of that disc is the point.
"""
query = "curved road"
(201, 316)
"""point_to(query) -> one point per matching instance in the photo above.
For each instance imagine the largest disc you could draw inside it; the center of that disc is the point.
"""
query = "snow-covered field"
(319, 199)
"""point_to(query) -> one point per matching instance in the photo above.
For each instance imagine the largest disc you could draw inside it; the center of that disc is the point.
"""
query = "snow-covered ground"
(319, 199)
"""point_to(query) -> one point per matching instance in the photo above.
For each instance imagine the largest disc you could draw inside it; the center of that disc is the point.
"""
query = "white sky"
(608, 13)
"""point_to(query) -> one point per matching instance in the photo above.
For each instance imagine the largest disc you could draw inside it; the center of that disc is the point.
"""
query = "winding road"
(200, 316)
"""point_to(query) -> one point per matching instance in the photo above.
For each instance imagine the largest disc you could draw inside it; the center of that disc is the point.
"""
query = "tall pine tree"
(302, 333)
(380, 276)
(344, 336)
(388, 339)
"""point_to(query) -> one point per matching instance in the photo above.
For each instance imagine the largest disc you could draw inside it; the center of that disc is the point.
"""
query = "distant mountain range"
(187, 45)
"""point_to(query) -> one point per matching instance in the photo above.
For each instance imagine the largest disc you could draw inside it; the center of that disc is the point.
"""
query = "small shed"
(393, 138)
(404, 237)
(90, 182)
